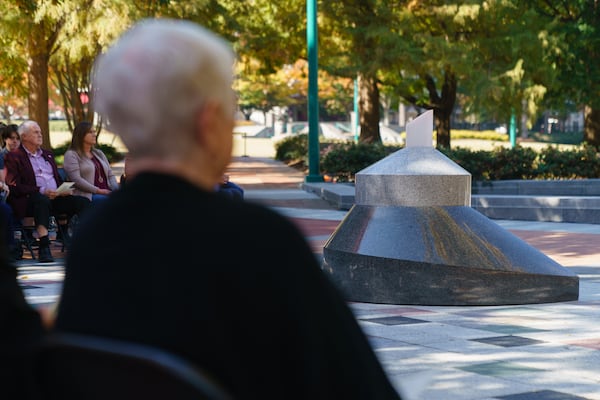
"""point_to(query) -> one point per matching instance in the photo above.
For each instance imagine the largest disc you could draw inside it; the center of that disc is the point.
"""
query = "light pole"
(313, 93)
(356, 120)
(512, 129)
(245, 136)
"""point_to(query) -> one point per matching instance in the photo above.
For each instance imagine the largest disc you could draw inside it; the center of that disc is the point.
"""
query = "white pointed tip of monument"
(419, 131)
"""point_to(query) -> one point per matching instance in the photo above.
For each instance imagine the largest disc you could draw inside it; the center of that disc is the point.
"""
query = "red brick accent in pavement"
(263, 173)
(566, 248)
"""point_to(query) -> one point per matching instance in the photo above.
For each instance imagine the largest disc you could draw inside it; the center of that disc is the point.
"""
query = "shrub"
(475, 162)
(293, 148)
(344, 160)
(581, 162)
(513, 163)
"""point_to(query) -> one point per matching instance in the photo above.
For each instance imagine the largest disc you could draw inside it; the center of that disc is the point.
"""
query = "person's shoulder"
(15, 155)
(98, 151)
(70, 153)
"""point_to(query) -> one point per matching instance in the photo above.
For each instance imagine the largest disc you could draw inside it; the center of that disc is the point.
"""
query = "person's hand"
(103, 191)
(4, 190)
(224, 179)
(66, 193)
(51, 194)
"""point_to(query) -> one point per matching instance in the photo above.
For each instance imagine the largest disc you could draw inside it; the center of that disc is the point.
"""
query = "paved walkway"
(539, 351)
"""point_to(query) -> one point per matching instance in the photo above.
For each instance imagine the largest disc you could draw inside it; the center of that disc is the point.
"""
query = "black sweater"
(229, 285)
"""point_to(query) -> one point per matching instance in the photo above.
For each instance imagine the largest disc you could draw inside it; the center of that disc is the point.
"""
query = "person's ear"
(208, 129)
(205, 121)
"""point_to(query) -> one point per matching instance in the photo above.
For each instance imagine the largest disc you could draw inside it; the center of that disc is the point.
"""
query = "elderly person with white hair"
(249, 306)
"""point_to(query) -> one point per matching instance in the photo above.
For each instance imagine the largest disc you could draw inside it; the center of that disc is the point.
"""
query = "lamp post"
(244, 136)
(512, 129)
(355, 122)
(313, 93)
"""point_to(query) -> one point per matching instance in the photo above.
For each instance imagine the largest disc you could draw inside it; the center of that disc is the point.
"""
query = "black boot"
(45, 256)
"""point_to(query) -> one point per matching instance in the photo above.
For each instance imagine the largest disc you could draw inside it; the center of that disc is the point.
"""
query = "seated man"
(251, 306)
(32, 175)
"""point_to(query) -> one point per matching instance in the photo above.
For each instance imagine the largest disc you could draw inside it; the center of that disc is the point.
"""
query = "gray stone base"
(504, 203)
(439, 256)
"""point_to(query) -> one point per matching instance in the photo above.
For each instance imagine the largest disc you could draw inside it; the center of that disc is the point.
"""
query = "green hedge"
(342, 161)
(293, 148)
(352, 156)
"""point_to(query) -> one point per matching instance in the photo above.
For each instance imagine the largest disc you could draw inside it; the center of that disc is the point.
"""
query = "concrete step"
(577, 209)
(565, 187)
(509, 206)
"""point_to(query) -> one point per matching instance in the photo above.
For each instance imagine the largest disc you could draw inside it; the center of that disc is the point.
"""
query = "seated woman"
(87, 166)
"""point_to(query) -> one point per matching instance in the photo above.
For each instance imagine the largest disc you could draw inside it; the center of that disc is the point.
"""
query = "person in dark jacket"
(229, 189)
(20, 329)
(253, 309)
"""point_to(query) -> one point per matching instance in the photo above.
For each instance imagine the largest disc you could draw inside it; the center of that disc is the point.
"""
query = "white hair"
(26, 126)
(153, 81)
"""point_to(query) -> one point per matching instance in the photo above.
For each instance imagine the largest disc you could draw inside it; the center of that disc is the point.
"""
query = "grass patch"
(482, 135)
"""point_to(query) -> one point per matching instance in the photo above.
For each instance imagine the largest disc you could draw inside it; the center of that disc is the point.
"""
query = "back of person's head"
(79, 132)
(151, 84)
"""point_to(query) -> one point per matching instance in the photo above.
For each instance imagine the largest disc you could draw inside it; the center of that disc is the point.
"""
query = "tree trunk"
(37, 75)
(368, 109)
(442, 106)
(442, 127)
(591, 130)
(385, 104)
(524, 128)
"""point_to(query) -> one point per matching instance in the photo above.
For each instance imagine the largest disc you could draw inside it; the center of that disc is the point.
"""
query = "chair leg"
(64, 233)
(25, 240)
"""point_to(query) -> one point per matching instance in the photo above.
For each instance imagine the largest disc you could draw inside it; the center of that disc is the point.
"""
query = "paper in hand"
(65, 187)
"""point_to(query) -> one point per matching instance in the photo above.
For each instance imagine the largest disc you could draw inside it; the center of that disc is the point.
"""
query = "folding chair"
(27, 227)
(75, 366)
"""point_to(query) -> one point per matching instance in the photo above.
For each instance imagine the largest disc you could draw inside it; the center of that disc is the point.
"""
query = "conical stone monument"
(412, 238)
